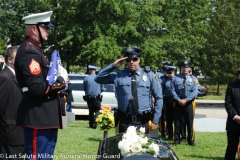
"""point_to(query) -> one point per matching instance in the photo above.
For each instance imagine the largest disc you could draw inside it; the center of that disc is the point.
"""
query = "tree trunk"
(218, 85)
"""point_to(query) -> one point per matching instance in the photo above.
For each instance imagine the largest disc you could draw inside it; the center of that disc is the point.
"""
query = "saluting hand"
(119, 62)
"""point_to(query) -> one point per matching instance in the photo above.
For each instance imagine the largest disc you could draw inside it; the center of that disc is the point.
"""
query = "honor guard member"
(184, 91)
(93, 95)
(39, 113)
(162, 76)
(135, 88)
(168, 100)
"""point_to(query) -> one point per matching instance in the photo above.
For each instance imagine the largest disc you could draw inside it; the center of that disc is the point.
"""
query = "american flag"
(53, 68)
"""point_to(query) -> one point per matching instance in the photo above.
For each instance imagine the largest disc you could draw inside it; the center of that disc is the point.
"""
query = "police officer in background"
(184, 91)
(134, 88)
(39, 113)
(168, 100)
(162, 76)
(92, 93)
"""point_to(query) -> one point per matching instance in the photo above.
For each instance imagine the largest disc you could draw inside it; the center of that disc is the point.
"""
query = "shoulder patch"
(155, 76)
(34, 67)
(196, 81)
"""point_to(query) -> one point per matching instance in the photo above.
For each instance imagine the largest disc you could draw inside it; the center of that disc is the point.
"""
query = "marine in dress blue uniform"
(147, 87)
(184, 91)
(92, 92)
(162, 76)
(40, 112)
(168, 100)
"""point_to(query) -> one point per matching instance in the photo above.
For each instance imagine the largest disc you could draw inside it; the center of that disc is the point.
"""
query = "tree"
(185, 22)
(222, 49)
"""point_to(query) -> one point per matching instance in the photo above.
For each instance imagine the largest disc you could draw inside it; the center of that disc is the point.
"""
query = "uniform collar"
(34, 41)
(138, 71)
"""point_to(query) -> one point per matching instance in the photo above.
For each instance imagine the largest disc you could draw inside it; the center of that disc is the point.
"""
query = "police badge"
(129, 49)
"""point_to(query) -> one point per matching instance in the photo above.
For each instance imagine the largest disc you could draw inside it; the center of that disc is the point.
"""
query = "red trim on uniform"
(34, 144)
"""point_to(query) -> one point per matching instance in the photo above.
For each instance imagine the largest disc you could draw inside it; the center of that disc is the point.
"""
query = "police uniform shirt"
(122, 81)
(167, 86)
(159, 74)
(90, 87)
(191, 87)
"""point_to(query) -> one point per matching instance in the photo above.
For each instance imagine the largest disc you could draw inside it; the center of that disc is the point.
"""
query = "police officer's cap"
(170, 68)
(131, 52)
(41, 19)
(185, 63)
(91, 67)
(165, 65)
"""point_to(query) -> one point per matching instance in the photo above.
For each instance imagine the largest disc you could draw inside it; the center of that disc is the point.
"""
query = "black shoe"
(191, 143)
(176, 143)
(93, 126)
(183, 140)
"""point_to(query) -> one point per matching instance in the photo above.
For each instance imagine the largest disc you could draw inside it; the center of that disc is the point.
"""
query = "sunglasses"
(132, 59)
(169, 72)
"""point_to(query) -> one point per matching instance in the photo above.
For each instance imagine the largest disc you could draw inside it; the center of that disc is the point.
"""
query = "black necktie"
(134, 93)
(184, 88)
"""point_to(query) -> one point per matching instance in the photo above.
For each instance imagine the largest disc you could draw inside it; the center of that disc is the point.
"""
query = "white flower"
(143, 140)
(131, 129)
(154, 147)
(123, 146)
(133, 143)
(136, 148)
(142, 129)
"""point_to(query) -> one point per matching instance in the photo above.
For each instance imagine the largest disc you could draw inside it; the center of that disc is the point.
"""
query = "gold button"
(54, 85)
(48, 97)
(59, 84)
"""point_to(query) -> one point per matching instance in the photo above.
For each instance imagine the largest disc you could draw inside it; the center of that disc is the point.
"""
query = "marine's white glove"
(63, 73)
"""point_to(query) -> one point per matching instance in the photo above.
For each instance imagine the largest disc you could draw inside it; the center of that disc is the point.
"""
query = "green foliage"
(94, 32)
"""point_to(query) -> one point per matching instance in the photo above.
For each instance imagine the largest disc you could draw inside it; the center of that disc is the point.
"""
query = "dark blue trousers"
(39, 144)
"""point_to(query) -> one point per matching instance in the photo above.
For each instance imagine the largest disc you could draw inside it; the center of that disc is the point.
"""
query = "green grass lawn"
(80, 142)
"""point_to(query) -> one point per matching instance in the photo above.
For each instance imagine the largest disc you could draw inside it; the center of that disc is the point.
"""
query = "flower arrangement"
(134, 142)
(105, 120)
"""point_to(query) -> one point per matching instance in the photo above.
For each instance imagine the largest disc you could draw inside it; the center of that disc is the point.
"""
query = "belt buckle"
(134, 118)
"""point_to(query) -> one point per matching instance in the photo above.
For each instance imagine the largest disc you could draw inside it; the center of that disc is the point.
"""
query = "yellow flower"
(106, 119)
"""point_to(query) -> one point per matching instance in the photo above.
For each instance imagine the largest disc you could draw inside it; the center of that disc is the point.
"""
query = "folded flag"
(53, 68)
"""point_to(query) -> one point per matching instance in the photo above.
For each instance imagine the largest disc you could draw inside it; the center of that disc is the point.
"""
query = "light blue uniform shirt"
(122, 81)
(167, 86)
(90, 87)
(191, 87)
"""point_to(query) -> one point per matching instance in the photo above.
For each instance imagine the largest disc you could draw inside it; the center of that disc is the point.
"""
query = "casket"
(108, 150)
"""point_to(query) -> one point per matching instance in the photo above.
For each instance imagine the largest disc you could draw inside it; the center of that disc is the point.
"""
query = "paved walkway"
(210, 119)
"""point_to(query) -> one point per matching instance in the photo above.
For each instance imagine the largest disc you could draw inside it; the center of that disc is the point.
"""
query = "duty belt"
(132, 118)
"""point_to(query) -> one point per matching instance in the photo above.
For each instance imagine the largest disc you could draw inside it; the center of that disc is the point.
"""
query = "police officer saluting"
(184, 90)
(39, 113)
(134, 89)
(92, 95)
